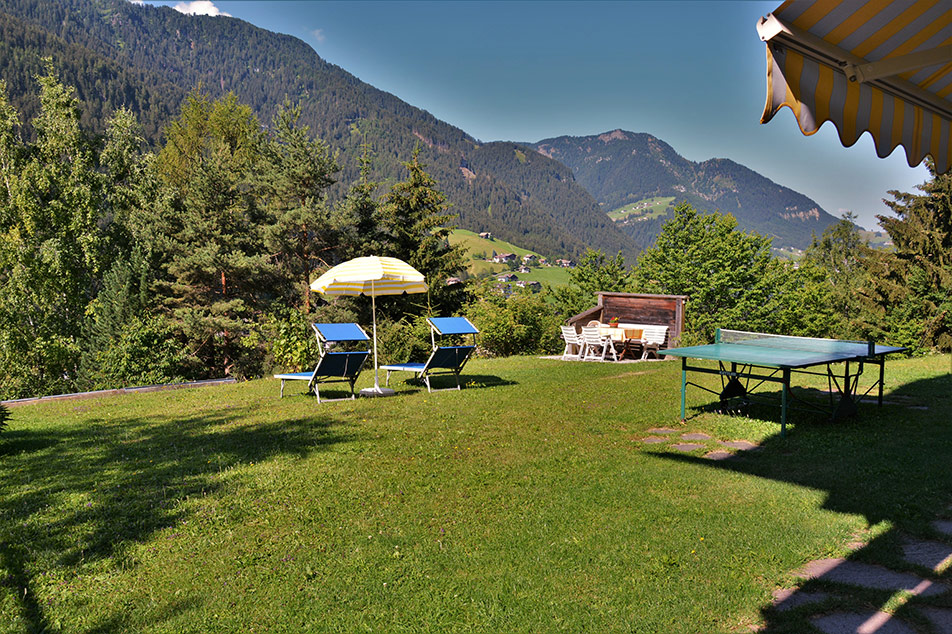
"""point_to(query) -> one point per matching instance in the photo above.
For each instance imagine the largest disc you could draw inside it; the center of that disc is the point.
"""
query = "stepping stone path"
(861, 623)
(694, 442)
(940, 618)
(687, 446)
(695, 436)
(854, 573)
(788, 598)
(934, 555)
(743, 445)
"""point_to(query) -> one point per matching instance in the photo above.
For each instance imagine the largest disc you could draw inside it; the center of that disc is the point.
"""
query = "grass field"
(524, 503)
(643, 209)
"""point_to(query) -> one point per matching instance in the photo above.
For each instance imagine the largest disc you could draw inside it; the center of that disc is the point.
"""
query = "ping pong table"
(748, 360)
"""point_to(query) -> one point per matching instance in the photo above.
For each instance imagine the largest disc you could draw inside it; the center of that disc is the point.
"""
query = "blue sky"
(690, 73)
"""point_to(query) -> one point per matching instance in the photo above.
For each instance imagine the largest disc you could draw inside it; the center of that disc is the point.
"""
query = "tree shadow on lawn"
(890, 464)
(80, 495)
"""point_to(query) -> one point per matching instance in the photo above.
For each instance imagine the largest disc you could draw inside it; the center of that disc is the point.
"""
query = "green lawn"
(524, 503)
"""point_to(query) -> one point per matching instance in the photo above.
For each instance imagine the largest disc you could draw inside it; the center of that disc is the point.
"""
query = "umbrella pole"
(373, 304)
(376, 390)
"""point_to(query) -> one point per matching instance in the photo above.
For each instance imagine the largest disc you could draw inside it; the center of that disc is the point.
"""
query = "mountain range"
(550, 197)
(621, 167)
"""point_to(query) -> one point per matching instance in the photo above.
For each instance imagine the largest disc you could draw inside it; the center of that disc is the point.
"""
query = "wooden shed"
(638, 308)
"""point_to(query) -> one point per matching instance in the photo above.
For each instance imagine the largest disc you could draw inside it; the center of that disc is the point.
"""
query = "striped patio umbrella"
(372, 276)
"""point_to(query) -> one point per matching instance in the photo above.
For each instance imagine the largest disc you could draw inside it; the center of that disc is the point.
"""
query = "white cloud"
(200, 7)
(318, 35)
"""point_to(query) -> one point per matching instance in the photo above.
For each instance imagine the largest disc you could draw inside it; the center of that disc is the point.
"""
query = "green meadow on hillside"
(643, 209)
(527, 502)
(479, 249)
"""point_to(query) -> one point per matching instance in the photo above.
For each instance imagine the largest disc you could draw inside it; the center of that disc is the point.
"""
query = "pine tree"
(415, 224)
(909, 297)
(217, 275)
(296, 174)
(358, 217)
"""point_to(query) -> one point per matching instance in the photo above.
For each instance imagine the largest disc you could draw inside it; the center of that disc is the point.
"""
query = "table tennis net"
(789, 342)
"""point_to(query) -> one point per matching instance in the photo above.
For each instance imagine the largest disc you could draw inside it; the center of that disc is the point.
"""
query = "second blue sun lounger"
(343, 367)
(443, 359)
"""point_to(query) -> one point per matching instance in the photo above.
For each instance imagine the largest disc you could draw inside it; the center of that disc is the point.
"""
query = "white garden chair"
(573, 340)
(597, 346)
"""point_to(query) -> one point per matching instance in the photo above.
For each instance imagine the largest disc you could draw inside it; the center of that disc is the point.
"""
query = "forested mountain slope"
(622, 167)
(148, 58)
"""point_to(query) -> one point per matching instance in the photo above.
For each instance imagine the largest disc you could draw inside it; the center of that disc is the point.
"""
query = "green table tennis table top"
(774, 354)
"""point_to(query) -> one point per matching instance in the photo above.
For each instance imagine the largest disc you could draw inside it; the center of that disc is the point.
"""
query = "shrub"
(292, 343)
(522, 323)
(147, 352)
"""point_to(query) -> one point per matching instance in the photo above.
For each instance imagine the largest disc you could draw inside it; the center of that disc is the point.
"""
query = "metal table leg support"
(684, 383)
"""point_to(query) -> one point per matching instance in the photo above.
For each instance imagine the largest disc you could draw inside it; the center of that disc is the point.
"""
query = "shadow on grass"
(84, 494)
(442, 382)
(892, 466)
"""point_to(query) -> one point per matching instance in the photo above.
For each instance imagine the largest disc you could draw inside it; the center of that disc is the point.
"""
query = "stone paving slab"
(695, 436)
(662, 430)
(651, 440)
(940, 618)
(686, 446)
(718, 455)
(738, 444)
(861, 623)
(929, 554)
(790, 598)
(943, 526)
(868, 576)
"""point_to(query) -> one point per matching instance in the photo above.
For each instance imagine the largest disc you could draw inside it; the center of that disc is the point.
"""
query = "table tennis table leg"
(784, 388)
(882, 367)
(684, 383)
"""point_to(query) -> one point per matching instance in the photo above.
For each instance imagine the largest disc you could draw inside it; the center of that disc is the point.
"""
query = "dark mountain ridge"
(149, 58)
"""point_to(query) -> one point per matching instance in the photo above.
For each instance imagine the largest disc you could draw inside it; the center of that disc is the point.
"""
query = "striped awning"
(881, 66)
(373, 276)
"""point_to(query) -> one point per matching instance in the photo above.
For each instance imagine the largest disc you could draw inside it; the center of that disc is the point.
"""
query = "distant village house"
(486, 235)
(504, 257)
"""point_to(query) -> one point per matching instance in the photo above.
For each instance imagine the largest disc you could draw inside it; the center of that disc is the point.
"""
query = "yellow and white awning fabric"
(881, 66)
(373, 276)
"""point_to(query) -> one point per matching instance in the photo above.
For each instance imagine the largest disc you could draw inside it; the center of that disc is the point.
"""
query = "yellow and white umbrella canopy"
(373, 276)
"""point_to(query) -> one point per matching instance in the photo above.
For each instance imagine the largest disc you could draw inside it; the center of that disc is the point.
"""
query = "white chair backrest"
(591, 336)
(655, 334)
(570, 335)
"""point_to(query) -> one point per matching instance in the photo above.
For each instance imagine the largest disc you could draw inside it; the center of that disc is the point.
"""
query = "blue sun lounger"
(333, 367)
(444, 359)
